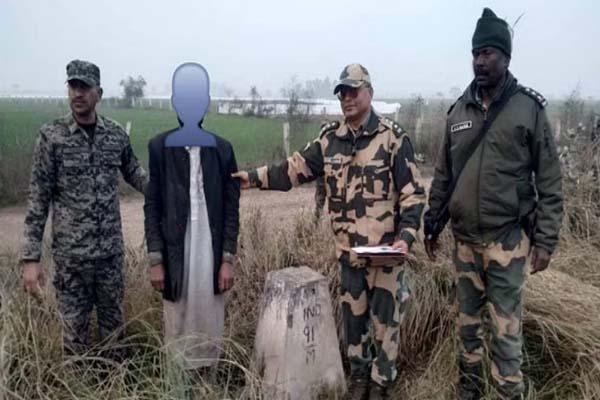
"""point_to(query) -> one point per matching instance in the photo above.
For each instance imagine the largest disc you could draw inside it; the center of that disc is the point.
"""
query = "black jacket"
(167, 204)
(513, 173)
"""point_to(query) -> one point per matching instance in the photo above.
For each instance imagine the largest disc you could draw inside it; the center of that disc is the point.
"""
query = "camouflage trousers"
(373, 301)
(494, 276)
(81, 285)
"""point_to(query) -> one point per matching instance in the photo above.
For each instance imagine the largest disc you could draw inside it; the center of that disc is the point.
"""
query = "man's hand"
(381, 261)
(243, 177)
(225, 277)
(431, 247)
(540, 259)
(401, 245)
(33, 278)
(157, 277)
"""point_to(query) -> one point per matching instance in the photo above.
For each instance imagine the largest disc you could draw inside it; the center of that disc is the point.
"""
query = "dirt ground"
(279, 206)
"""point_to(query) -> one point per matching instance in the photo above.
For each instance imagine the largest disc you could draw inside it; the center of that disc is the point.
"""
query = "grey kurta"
(194, 324)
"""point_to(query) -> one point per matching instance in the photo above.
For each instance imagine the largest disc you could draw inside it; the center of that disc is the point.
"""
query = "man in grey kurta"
(192, 224)
(194, 323)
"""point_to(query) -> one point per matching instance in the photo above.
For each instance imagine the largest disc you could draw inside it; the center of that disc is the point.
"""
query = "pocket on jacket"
(74, 159)
(111, 155)
(75, 172)
(376, 181)
(379, 222)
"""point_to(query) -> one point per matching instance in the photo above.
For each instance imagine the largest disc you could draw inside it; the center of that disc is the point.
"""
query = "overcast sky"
(419, 46)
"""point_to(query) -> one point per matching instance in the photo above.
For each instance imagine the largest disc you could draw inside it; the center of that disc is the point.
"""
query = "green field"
(255, 140)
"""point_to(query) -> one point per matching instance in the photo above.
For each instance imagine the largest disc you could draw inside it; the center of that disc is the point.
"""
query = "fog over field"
(409, 47)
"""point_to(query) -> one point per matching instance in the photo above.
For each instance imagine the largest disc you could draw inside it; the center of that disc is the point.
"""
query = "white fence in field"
(223, 105)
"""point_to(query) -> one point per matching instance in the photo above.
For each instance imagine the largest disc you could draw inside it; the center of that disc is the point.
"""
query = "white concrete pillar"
(297, 347)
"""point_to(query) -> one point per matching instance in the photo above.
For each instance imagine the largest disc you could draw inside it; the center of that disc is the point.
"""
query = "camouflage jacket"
(373, 186)
(512, 176)
(79, 178)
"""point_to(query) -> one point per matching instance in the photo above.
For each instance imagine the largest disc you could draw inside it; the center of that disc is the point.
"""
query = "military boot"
(378, 392)
(513, 397)
(512, 391)
(471, 385)
(358, 389)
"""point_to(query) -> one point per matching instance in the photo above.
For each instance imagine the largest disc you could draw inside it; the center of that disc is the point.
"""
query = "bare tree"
(257, 104)
(295, 92)
(133, 89)
(572, 110)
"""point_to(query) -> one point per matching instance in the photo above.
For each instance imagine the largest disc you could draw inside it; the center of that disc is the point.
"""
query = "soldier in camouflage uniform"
(375, 197)
(498, 221)
(75, 170)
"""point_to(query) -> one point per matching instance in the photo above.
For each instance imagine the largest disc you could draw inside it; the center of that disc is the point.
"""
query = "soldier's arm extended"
(231, 223)
(412, 198)
(132, 171)
(301, 167)
(41, 187)
(442, 177)
(548, 183)
(153, 209)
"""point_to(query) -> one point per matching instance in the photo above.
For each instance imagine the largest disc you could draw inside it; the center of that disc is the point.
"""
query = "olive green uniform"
(512, 179)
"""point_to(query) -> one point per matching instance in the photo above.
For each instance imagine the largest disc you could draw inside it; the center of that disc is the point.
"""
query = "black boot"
(512, 397)
(471, 385)
(378, 392)
(358, 389)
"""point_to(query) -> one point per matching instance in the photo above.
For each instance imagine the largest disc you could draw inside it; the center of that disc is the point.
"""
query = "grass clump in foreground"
(561, 324)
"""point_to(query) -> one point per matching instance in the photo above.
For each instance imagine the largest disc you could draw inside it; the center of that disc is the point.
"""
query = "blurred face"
(489, 66)
(83, 98)
(355, 102)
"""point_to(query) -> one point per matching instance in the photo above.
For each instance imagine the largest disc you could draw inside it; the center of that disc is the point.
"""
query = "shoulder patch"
(534, 95)
(391, 124)
(329, 126)
(56, 125)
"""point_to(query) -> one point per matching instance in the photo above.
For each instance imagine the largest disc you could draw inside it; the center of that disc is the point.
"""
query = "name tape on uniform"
(461, 126)
(332, 160)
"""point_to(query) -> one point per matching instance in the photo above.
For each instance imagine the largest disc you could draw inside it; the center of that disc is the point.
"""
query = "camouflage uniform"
(79, 177)
(492, 275)
(374, 197)
(320, 193)
(510, 180)
(82, 283)
(320, 196)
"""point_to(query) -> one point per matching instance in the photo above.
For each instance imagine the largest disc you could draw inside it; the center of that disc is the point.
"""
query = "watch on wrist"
(228, 258)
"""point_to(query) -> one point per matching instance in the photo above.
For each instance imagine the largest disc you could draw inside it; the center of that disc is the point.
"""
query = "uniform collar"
(471, 95)
(370, 127)
(74, 126)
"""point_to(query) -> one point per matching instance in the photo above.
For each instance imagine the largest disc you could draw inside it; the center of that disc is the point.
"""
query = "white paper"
(365, 251)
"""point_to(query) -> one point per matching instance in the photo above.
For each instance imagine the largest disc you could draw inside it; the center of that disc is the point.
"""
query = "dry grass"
(562, 324)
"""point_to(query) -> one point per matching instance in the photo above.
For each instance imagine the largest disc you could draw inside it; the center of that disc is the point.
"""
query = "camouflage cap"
(354, 75)
(84, 71)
